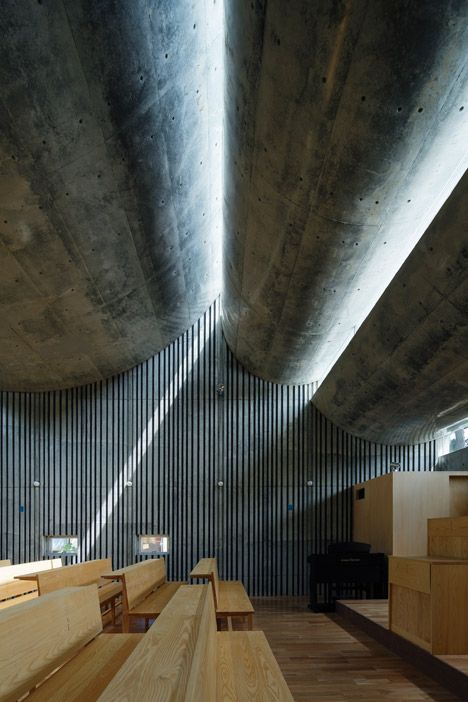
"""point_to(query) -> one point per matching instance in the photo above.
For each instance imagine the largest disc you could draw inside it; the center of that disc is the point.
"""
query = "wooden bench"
(59, 632)
(80, 574)
(13, 591)
(183, 657)
(145, 591)
(231, 599)
(5, 562)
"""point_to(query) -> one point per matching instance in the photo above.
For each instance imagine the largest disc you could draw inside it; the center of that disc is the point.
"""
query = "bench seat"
(230, 596)
(154, 603)
(184, 657)
(16, 588)
(80, 574)
(233, 601)
(52, 648)
(11, 586)
(145, 591)
(17, 600)
(86, 675)
(247, 668)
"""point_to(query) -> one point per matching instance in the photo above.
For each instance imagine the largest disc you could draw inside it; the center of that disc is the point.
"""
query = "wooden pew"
(13, 591)
(9, 573)
(183, 657)
(231, 599)
(145, 591)
(59, 631)
(80, 574)
(5, 562)
(17, 600)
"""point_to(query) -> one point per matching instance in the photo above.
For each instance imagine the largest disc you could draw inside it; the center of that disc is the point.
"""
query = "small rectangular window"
(61, 545)
(153, 544)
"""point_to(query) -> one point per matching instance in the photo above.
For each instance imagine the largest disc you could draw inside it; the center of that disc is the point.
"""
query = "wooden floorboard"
(326, 659)
(377, 612)
(371, 616)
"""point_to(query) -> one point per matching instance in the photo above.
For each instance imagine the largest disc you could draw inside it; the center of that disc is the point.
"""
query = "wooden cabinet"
(448, 537)
(391, 511)
(428, 597)
(428, 602)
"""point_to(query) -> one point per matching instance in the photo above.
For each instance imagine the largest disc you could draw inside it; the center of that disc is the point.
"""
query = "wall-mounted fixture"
(36, 483)
(128, 483)
(395, 467)
(310, 483)
(220, 483)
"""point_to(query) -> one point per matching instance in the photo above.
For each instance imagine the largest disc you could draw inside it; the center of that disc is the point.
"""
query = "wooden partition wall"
(174, 427)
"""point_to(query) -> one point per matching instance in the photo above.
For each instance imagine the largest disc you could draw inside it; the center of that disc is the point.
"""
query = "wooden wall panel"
(169, 428)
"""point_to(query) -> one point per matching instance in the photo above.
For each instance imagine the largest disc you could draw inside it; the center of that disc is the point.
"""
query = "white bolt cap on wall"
(36, 483)
(220, 483)
(129, 483)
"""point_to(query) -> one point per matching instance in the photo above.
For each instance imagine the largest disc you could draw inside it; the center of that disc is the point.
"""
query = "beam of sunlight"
(133, 462)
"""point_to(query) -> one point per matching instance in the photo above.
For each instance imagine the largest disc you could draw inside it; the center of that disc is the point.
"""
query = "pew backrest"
(215, 582)
(73, 575)
(43, 634)
(5, 562)
(140, 579)
(176, 660)
(9, 573)
(207, 568)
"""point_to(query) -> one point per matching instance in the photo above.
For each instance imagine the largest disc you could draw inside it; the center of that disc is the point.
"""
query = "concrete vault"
(344, 233)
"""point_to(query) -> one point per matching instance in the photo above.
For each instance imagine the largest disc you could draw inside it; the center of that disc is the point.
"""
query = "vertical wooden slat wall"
(174, 427)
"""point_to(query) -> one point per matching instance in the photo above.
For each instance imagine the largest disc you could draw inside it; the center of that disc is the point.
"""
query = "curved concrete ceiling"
(344, 134)
(110, 160)
(405, 373)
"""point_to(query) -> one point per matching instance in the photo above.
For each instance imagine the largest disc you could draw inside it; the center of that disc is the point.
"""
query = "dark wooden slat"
(264, 441)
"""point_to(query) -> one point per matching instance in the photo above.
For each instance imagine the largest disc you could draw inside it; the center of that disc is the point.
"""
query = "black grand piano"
(348, 570)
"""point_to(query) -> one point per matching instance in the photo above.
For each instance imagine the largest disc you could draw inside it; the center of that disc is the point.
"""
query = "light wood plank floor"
(377, 611)
(326, 659)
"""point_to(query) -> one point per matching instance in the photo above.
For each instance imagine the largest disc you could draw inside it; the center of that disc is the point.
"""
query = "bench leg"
(229, 623)
(250, 621)
(125, 623)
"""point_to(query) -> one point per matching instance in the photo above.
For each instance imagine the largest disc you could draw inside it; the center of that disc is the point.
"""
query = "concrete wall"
(457, 460)
(169, 428)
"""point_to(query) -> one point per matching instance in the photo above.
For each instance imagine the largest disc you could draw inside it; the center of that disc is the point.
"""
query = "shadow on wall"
(164, 427)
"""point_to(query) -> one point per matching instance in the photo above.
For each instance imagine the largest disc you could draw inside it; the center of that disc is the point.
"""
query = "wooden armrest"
(204, 568)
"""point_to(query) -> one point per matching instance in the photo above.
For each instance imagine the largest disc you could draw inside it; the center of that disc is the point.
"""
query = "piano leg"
(313, 596)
